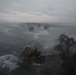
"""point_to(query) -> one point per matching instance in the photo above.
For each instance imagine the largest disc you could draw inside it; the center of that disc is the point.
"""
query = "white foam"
(9, 61)
(40, 33)
(43, 32)
(71, 36)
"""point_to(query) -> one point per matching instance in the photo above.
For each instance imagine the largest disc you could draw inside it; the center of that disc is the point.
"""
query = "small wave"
(40, 33)
(44, 32)
(8, 61)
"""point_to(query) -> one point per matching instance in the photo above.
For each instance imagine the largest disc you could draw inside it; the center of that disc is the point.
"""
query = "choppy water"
(14, 37)
(9, 62)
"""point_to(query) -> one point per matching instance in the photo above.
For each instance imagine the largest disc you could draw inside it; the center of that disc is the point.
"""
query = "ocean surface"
(15, 36)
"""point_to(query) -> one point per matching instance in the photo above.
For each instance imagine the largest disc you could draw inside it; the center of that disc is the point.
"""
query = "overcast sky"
(38, 11)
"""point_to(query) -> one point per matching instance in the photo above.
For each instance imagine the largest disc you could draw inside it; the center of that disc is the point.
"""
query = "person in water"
(31, 54)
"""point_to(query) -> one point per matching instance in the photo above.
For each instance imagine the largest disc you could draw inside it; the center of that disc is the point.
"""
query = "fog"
(15, 36)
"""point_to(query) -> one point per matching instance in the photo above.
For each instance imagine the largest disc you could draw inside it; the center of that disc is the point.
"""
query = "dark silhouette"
(38, 26)
(31, 28)
(46, 27)
(68, 62)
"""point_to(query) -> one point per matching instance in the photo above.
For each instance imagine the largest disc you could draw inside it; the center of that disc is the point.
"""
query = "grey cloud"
(59, 8)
